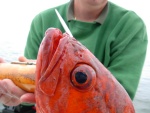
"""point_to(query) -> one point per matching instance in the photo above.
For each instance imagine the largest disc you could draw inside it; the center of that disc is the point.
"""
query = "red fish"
(70, 79)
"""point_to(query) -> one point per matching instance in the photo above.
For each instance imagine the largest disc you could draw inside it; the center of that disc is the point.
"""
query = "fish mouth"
(54, 46)
(51, 51)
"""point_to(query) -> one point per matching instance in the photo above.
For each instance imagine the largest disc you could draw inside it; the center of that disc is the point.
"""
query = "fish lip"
(55, 43)
(63, 37)
(61, 45)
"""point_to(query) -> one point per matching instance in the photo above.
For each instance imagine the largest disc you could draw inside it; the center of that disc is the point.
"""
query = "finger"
(2, 60)
(9, 93)
(22, 59)
(9, 100)
(28, 98)
(9, 88)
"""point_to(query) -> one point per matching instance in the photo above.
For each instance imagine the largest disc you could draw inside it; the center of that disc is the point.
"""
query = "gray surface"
(142, 98)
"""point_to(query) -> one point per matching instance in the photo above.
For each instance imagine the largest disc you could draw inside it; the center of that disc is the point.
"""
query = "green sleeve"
(128, 53)
(34, 38)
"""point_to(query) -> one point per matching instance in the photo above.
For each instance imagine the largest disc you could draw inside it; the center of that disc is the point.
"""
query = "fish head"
(70, 79)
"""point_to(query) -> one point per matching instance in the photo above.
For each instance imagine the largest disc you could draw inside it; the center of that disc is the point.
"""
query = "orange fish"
(21, 73)
(70, 79)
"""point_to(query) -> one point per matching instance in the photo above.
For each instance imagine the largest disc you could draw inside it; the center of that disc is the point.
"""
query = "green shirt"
(119, 41)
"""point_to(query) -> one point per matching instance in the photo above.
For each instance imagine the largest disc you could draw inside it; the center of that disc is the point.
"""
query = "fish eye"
(80, 77)
(83, 77)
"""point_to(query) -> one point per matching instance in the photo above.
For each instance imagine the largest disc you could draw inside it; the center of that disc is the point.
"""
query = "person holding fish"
(115, 36)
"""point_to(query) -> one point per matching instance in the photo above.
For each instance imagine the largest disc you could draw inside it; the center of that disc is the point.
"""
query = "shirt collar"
(100, 19)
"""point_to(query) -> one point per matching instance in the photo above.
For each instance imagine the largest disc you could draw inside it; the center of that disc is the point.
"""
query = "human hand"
(12, 95)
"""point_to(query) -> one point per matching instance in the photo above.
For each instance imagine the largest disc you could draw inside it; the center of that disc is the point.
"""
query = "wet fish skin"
(70, 79)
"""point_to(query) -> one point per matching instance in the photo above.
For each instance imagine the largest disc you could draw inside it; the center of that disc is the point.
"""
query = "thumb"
(22, 59)
(28, 98)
